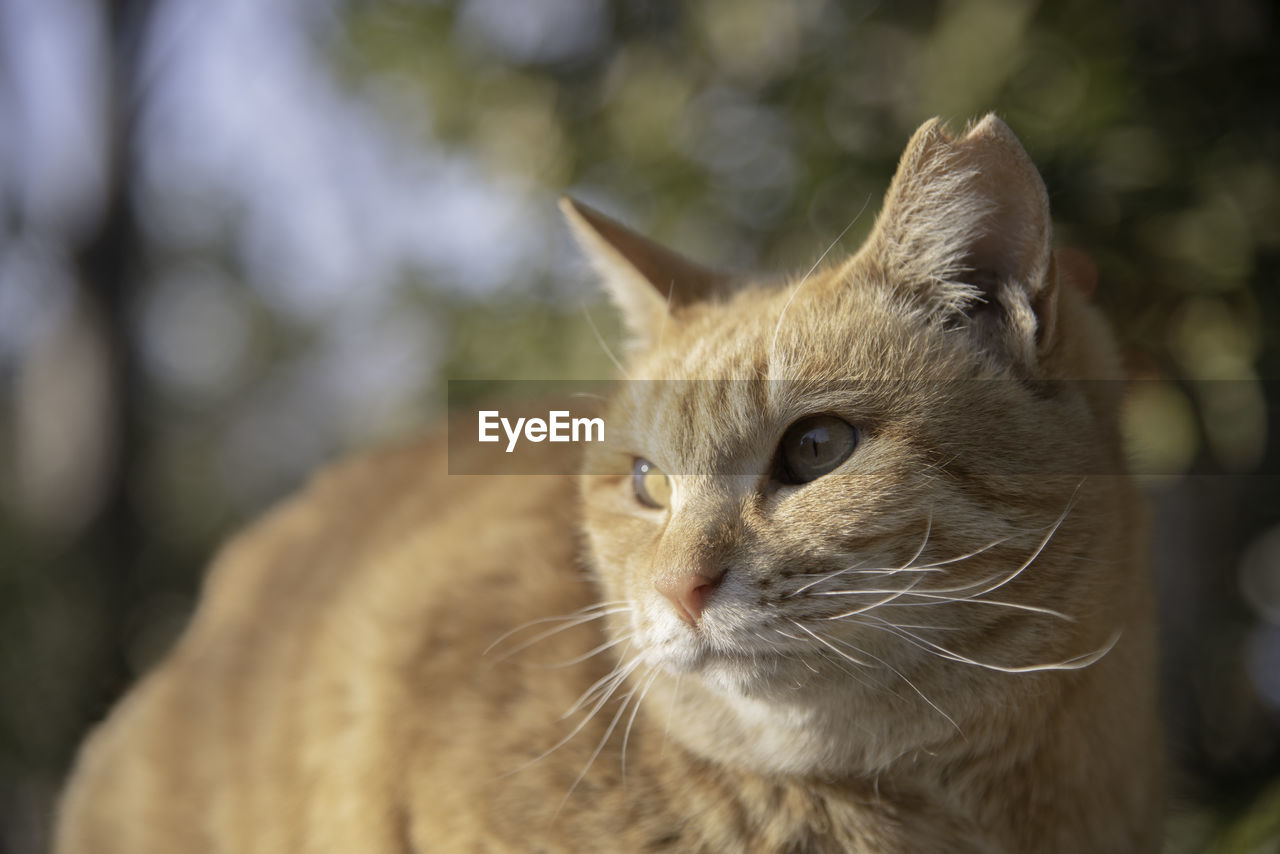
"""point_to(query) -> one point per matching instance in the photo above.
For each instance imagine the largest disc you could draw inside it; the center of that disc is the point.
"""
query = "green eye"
(652, 487)
(814, 446)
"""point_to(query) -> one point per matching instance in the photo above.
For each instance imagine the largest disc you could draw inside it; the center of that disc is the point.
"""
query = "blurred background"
(238, 239)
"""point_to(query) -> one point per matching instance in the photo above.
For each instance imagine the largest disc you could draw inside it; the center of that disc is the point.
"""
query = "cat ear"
(965, 226)
(644, 279)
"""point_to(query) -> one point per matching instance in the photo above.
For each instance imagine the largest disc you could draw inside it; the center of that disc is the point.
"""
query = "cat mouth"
(698, 650)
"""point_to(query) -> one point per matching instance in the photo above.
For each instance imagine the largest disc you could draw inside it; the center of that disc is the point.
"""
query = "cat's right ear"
(645, 279)
(966, 230)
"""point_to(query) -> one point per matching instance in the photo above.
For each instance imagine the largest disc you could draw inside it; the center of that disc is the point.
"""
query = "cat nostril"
(687, 592)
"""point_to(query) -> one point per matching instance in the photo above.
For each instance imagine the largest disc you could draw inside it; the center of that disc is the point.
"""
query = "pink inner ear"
(678, 280)
(966, 214)
(1012, 243)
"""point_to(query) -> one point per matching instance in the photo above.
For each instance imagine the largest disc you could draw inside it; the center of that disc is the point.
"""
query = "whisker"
(570, 622)
(935, 599)
(662, 330)
(1053, 528)
(884, 664)
(825, 643)
(671, 711)
(544, 620)
(605, 684)
(968, 600)
(901, 676)
(895, 594)
(1012, 575)
(826, 656)
(924, 567)
(586, 655)
(600, 338)
(773, 344)
(927, 626)
(988, 547)
(1075, 662)
(613, 724)
(936, 566)
(839, 661)
(852, 571)
(928, 528)
(626, 734)
(624, 671)
(987, 585)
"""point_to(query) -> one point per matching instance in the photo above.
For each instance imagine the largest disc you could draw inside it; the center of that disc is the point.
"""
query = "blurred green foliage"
(748, 134)
(751, 133)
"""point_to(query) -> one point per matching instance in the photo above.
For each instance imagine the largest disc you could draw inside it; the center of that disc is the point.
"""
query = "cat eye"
(651, 485)
(814, 446)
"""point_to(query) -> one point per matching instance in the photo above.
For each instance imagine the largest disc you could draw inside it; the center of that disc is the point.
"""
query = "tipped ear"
(966, 227)
(644, 279)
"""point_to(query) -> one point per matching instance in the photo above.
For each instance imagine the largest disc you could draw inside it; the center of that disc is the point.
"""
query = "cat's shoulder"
(383, 576)
(376, 506)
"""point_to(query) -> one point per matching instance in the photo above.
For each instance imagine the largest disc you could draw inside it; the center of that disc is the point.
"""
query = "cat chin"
(675, 658)
(725, 654)
(733, 674)
(739, 679)
(682, 657)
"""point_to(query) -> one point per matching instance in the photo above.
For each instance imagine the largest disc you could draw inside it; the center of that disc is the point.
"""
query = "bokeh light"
(239, 239)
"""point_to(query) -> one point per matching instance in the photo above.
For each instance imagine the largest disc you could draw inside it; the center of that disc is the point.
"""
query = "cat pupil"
(814, 438)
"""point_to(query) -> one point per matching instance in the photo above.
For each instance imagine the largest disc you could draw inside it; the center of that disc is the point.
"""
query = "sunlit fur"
(943, 645)
(932, 607)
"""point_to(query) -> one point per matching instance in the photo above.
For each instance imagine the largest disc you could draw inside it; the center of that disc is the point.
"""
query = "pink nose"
(687, 591)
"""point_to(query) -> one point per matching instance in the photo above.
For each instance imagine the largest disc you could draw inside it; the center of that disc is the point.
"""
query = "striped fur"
(944, 645)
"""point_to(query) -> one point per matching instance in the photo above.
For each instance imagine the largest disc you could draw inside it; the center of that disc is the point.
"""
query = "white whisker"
(569, 623)
(896, 571)
(586, 655)
(827, 577)
(773, 344)
(613, 724)
(1075, 662)
(936, 566)
(623, 671)
(605, 685)
(901, 676)
(827, 644)
(598, 606)
(894, 594)
(662, 329)
(969, 600)
(626, 734)
(600, 338)
(826, 656)
(1015, 573)
(675, 698)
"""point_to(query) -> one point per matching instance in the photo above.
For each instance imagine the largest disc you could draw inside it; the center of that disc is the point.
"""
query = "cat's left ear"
(645, 279)
(965, 228)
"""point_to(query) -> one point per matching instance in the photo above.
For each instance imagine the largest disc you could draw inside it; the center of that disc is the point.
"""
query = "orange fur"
(945, 644)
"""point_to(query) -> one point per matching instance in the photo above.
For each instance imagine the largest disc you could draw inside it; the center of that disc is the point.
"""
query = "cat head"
(859, 490)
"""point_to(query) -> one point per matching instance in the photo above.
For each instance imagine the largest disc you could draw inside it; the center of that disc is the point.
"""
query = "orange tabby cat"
(874, 583)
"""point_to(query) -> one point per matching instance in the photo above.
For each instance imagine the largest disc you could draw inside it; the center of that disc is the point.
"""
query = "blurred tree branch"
(109, 265)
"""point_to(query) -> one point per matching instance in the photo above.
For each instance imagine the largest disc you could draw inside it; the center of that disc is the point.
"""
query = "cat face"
(839, 482)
